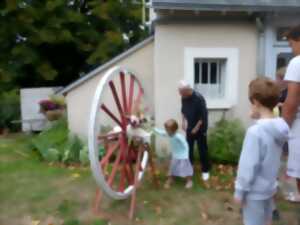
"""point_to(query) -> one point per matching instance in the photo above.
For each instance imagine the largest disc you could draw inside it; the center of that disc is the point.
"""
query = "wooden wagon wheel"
(122, 163)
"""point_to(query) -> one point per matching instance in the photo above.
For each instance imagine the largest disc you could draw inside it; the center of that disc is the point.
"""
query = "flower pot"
(52, 115)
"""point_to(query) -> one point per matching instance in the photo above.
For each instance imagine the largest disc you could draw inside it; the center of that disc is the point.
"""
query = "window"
(214, 73)
(209, 77)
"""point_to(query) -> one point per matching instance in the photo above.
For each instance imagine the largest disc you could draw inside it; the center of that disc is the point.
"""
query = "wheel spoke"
(129, 174)
(131, 91)
(109, 136)
(124, 150)
(138, 164)
(114, 169)
(129, 169)
(109, 153)
(122, 180)
(123, 88)
(137, 101)
(117, 101)
(111, 115)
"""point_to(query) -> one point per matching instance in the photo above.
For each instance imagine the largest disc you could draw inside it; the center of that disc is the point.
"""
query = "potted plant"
(53, 108)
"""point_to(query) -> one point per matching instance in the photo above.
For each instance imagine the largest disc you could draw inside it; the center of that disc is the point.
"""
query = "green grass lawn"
(33, 192)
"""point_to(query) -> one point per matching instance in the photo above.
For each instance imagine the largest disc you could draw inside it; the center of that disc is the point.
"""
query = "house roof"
(105, 66)
(228, 5)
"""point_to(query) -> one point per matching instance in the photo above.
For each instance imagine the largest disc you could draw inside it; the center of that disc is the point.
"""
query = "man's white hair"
(184, 85)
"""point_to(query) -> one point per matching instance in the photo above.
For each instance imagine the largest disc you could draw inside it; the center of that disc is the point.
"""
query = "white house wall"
(171, 39)
(32, 118)
(79, 99)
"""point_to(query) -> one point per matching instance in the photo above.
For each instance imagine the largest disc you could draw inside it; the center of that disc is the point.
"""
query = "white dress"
(293, 166)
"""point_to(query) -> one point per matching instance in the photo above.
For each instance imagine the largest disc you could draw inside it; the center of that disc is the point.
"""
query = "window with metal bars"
(209, 77)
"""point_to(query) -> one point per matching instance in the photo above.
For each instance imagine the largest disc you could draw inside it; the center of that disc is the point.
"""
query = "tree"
(50, 42)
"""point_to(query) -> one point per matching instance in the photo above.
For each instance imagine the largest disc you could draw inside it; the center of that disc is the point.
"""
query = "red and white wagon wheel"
(117, 163)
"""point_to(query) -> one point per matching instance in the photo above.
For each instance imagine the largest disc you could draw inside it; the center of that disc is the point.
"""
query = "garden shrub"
(72, 149)
(55, 136)
(9, 109)
(55, 144)
(84, 156)
(225, 141)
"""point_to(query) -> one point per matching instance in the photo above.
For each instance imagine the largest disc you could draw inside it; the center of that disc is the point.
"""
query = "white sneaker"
(189, 184)
(293, 197)
(205, 176)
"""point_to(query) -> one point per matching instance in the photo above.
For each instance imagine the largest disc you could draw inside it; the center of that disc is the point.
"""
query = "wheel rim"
(114, 171)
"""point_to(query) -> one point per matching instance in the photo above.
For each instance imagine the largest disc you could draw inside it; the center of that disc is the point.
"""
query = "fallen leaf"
(228, 207)
(204, 215)
(206, 185)
(158, 210)
(35, 222)
(218, 188)
(75, 175)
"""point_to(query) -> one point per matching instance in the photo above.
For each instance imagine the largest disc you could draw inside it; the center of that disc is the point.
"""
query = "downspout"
(260, 57)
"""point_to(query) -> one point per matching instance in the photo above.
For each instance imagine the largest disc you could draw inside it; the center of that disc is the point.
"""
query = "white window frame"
(220, 73)
(231, 55)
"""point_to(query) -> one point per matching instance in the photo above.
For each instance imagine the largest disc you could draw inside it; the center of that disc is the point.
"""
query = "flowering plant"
(47, 105)
(54, 103)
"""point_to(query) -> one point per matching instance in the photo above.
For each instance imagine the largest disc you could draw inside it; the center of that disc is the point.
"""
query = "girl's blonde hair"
(171, 125)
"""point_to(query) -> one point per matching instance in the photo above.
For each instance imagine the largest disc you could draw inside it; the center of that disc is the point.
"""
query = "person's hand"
(195, 130)
(238, 201)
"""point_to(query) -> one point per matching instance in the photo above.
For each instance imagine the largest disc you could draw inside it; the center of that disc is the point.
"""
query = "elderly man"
(195, 123)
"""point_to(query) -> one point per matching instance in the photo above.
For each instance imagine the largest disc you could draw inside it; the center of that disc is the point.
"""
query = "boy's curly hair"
(265, 91)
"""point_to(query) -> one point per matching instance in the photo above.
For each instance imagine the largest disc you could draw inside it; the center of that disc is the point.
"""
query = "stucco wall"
(79, 99)
(171, 39)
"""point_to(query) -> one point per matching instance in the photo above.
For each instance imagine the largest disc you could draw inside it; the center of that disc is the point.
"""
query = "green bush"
(9, 109)
(84, 156)
(55, 137)
(72, 149)
(55, 144)
(225, 141)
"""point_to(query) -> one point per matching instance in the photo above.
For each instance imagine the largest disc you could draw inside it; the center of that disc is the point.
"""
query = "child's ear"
(256, 103)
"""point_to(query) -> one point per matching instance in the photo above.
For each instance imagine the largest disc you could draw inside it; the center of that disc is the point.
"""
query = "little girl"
(180, 164)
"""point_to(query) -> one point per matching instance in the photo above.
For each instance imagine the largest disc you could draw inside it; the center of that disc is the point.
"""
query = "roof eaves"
(105, 66)
(222, 7)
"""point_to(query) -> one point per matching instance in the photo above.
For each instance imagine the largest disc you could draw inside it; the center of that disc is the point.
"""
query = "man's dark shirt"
(194, 109)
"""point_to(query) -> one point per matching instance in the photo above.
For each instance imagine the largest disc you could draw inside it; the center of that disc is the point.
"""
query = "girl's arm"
(160, 132)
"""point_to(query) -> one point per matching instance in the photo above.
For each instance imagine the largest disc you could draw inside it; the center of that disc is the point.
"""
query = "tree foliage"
(50, 42)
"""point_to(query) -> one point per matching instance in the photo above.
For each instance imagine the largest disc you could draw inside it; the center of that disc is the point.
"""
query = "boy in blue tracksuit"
(259, 163)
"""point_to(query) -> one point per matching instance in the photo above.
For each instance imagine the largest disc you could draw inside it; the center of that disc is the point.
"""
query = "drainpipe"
(260, 57)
